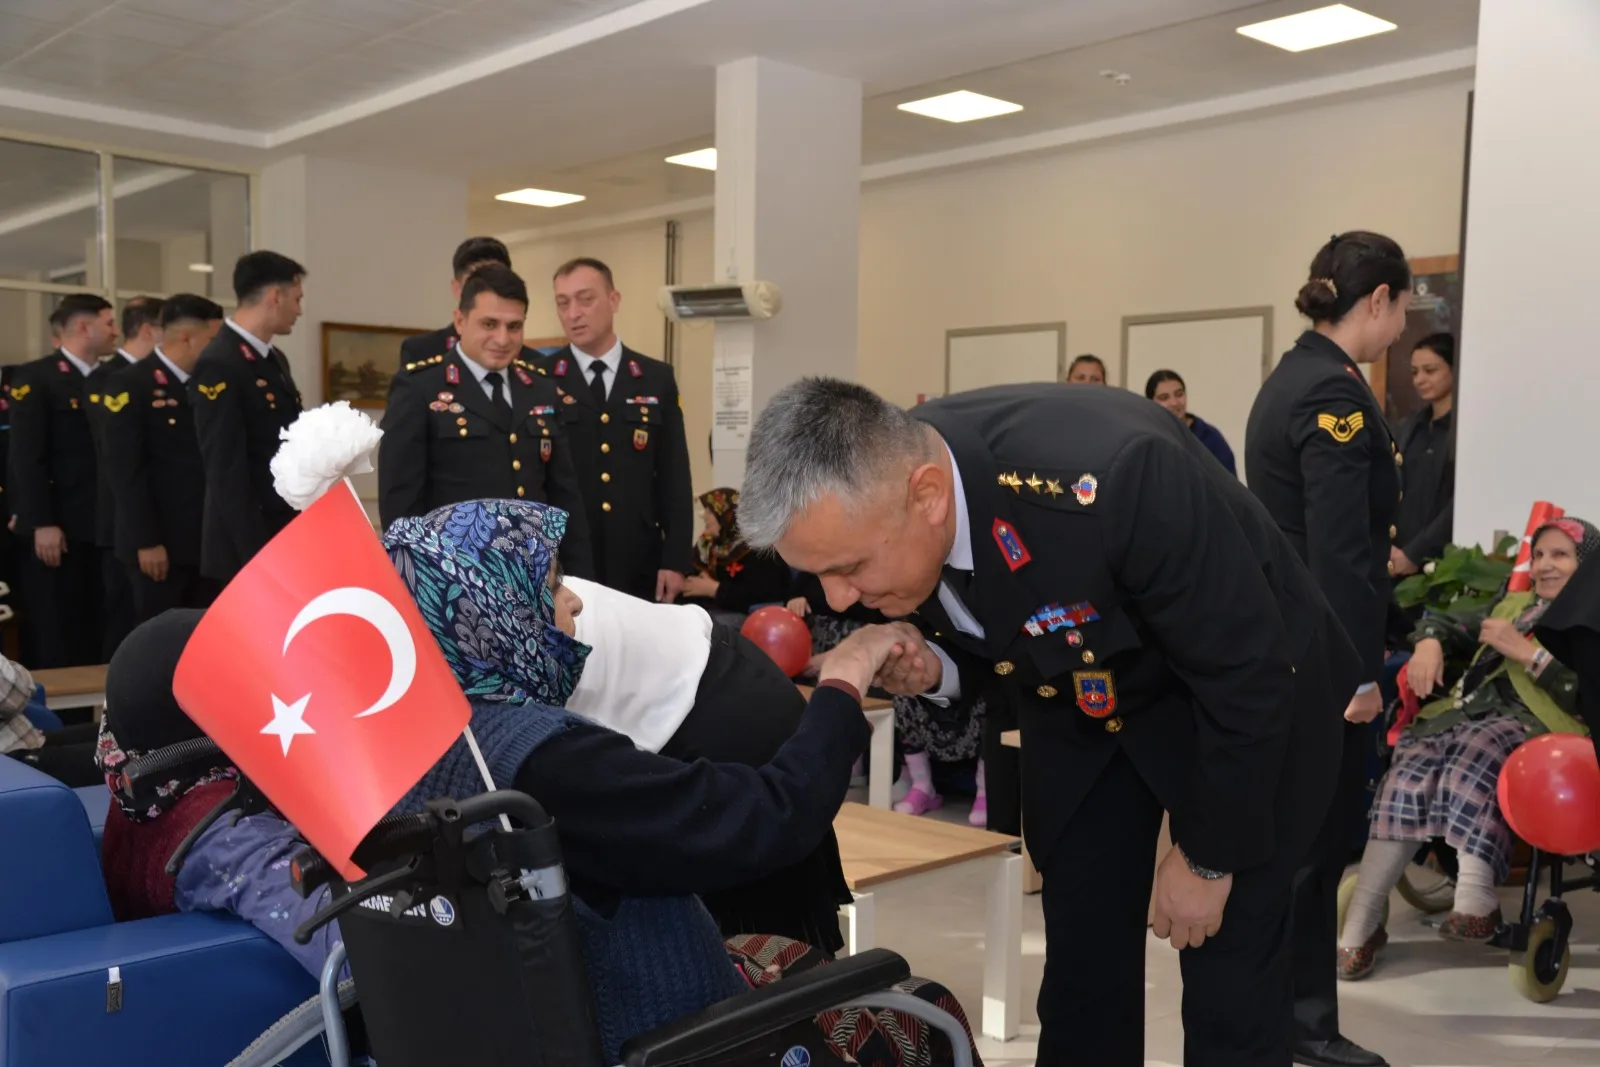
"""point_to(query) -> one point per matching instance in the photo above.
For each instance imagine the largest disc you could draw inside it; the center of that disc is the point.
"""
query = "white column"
(1527, 420)
(787, 211)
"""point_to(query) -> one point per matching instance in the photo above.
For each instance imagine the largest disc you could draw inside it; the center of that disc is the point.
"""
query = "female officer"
(1319, 456)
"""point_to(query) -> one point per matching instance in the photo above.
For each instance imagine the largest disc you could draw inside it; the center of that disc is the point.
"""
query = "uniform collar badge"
(561, 368)
(63, 367)
(1011, 546)
(247, 352)
(634, 368)
(452, 374)
(160, 376)
(524, 377)
(1085, 488)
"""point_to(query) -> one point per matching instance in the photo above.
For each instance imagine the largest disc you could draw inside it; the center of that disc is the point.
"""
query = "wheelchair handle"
(163, 761)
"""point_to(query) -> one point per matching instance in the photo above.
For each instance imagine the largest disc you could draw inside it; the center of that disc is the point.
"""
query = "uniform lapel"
(469, 391)
(1001, 598)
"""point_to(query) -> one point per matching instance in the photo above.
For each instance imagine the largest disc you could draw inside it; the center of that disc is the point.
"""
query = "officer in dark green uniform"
(1319, 456)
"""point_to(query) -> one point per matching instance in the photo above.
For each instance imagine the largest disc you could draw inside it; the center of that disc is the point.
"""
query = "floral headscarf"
(728, 545)
(480, 574)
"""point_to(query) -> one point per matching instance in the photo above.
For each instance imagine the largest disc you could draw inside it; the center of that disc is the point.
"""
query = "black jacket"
(443, 443)
(1426, 513)
(1319, 456)
(53, 464)
(1199, 645)
(105, 509)
(752, 579)
(241, 400)
(633, 466)
(153, 462)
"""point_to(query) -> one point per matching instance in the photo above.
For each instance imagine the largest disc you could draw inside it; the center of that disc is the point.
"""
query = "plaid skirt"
(1443, 785)
(866, 1036)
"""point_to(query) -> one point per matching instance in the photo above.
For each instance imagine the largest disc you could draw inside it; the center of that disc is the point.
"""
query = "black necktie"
(960, 583)
(497, 396)
(597, 383)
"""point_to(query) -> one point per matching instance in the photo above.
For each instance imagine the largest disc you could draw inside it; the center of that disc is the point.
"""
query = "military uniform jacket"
(444, 443)
(1135, 596)
(153, 459)
(633, 465)
(105, 511)
(53, 459)
(1318, 454)
(241, 400)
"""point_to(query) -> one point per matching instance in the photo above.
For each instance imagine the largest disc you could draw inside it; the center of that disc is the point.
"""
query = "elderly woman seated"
(1447, 762)
(643, 835)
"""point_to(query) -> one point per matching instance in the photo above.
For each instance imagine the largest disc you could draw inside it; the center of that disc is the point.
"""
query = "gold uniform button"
(606, 506)
(605, 418)
(1004, 667)
(605, 476)
(1114, 725)
(1399, 459)
(461, 422)
(605, 448)
(1088, 657)
(1394, 531)
(1047, 691)
(174, 422)
(463, 433)
(516, 464)
(521, 491)
(513, 438)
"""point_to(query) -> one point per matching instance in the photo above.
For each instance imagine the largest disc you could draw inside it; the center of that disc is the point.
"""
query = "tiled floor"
(1430, 1004)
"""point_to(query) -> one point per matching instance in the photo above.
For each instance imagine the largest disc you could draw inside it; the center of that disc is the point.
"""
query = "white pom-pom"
(320, 448)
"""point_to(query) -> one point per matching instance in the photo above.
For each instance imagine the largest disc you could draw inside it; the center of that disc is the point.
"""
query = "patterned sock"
(981, 788)
(1475, 893)
(1382, 864)
(921, 770)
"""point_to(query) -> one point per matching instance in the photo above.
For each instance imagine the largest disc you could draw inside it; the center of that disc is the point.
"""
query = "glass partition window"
(178, 230)
(49, 214)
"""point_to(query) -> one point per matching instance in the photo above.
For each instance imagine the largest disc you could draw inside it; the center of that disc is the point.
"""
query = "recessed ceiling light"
(539, 197)
(961, 106)
(201, 268)
(1333, 24)
(703, 159)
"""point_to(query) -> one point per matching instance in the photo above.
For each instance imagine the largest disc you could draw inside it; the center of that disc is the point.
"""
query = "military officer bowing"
(480, 423)
(1164, 645)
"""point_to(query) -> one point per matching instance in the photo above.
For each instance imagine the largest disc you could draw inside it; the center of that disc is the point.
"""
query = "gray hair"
(817, 437)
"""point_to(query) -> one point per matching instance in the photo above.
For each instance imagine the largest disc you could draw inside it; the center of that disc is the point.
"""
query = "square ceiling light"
(540, 197)
(701, 159)
(1323, 26)
(961, 106)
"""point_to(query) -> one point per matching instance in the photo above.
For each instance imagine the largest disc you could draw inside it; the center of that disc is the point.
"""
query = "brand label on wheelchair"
(439, 910)
(799, 1056)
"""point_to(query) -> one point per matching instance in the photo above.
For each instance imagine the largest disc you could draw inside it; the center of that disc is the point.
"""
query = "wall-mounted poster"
(358, 361)
(1435, 308)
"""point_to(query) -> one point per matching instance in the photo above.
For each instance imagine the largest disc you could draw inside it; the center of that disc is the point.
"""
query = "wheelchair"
(464, 948)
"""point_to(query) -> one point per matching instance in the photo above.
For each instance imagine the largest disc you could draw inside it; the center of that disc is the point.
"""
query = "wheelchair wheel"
(1427, 890)
(1347, 890)
(1538, 972)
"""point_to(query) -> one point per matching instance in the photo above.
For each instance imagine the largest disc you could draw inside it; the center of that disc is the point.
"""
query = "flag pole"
(483, 769)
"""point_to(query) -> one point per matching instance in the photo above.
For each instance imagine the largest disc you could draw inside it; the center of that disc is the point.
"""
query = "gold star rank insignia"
(1034, 483)
(1053, 487)
(1342, 429)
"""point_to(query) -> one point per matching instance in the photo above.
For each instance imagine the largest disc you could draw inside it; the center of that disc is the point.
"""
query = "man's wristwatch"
(1201, 872)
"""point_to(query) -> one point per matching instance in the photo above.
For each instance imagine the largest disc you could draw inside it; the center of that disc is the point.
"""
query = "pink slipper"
(980, 813)
(919, 802)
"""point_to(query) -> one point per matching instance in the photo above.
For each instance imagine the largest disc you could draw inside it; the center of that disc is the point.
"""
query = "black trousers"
(184, 588)
(67, 756)
(1316, 899)
(744, 711)
(1236, 987)
(121, 616)
(64, 606)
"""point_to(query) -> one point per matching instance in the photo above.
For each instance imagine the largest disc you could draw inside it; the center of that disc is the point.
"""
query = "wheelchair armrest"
(733, 1022)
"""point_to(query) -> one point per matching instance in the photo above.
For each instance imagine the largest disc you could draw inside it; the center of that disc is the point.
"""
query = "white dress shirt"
(612, 361)
(263, 348)
(182, 377)
(480, 372)
(84, 369)
(125, 354)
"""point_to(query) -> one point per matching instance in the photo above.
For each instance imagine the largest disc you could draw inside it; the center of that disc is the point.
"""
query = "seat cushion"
(195, 989)
(51, 881)
(96, 801)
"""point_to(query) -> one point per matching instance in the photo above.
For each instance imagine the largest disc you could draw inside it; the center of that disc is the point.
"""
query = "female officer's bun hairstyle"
(1349, 268)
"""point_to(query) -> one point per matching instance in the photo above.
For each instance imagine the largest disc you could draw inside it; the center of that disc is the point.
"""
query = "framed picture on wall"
(358, 361)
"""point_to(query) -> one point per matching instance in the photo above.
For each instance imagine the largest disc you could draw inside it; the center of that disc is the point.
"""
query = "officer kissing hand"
(912, 668)
(860, 658)
(1188, 906)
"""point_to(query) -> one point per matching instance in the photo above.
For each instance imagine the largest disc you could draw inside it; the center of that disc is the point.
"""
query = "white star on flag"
(288, 721)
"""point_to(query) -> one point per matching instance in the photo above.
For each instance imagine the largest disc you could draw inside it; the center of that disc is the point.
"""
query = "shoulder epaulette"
(423, 364)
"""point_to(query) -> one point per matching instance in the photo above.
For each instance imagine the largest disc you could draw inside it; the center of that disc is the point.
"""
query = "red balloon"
(781, 634)
(1549, 792)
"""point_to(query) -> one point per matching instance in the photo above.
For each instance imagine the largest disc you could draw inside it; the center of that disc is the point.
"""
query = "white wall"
(1527, 420)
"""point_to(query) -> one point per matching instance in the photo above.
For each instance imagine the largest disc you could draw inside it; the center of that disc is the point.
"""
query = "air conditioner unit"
(731, 302)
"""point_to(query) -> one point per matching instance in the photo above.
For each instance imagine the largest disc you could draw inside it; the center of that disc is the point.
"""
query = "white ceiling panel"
(158, 31)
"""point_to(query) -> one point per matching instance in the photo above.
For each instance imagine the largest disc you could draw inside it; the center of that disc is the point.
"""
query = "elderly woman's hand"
(1425, 672)
(700, 585)
(858, 658)
(1502, 636)
(800, 606)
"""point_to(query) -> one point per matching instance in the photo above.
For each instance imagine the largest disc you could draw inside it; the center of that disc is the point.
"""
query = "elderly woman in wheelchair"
(1441, 783)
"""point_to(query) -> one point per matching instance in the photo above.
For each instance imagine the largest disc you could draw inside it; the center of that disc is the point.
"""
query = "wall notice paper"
(733, 391)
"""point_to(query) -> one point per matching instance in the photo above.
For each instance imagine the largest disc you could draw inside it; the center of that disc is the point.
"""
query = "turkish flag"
(315, 673)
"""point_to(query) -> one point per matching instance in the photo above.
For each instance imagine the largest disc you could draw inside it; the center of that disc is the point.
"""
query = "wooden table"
(880, 757)
(879, 847)
(73, 687)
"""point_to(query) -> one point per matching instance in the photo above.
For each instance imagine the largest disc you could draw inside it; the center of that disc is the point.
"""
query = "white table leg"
(861, 925)
(1002, 949)
(880, 761)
